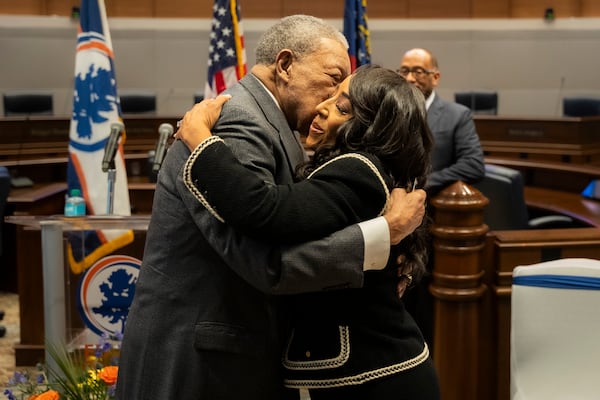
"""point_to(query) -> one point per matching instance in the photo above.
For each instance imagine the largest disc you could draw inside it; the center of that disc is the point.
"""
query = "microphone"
(165, 131)
(559, 100)
(112, 143)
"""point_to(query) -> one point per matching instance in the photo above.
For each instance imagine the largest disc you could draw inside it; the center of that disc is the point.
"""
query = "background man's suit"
(457, 153)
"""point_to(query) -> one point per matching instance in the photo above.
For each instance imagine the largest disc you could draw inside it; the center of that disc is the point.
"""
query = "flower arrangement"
(90, 374)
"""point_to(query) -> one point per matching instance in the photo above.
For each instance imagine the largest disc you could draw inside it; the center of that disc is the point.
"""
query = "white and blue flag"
(95, 109)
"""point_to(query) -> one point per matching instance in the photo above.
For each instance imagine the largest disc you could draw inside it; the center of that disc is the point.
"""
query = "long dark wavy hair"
(389, 121)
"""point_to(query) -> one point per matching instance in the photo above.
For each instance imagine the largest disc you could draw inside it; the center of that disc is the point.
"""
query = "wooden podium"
(566, 139)
(55, 318)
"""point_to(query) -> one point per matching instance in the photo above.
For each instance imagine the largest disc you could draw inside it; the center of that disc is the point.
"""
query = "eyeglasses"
(417, 72)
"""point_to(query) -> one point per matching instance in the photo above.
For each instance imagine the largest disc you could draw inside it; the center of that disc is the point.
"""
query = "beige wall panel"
(183, 8)
(129, 8)
(490, 8)
(536, 8)
(24, 7)
(439, 9)
(522, 59)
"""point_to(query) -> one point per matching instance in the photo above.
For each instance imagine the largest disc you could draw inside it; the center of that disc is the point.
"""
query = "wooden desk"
(28, 143)
(38, 136)
(49, 198)
(23, 254)
(505, 250)
(565, 203)
(552, 139)
(36, 277)
(471, 287)
(569, 177)
(40, 199)
(24, 259)
(141, 194)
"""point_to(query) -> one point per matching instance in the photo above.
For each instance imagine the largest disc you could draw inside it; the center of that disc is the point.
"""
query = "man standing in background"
(457, 156)
(457, 153)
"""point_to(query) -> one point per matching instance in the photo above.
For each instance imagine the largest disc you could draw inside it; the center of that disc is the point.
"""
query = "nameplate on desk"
(525, 132)
(49, 132)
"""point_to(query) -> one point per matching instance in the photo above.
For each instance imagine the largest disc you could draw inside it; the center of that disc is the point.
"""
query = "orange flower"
(47, 395)
(109, 374)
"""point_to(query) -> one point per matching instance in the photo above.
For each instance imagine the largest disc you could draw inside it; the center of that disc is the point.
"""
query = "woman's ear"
(283, 62)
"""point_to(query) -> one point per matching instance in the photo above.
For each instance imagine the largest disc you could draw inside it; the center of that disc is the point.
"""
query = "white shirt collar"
(429, 100)
(268, 91)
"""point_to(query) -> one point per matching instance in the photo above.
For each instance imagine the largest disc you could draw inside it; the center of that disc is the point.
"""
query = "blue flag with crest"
(357, 32)
(95, 109)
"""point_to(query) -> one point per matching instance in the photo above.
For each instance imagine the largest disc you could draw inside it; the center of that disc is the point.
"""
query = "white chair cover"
(555, 330)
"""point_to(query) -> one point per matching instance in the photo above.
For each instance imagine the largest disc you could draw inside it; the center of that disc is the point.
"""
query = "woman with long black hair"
(370, 137)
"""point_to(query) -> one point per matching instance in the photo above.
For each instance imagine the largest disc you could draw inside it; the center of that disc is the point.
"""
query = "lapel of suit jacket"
(289, 140)
(434, 113)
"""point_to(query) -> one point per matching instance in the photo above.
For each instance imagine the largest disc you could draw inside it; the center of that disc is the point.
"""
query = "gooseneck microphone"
(165, 131)
(111, 146)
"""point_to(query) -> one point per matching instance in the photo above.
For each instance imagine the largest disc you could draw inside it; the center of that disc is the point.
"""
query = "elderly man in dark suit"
(205, 322)
(457, 153)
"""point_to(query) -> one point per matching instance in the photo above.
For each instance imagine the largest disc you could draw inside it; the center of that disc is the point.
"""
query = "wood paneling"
(590, 8)
(389, 9)
(490, 9)
(323, 9)
(262, 9)
(184, 9)
(439, 9)
(536, 8)
(550, 139)
(130, 8)
(32, 7)
(471, 288)
(60, 7)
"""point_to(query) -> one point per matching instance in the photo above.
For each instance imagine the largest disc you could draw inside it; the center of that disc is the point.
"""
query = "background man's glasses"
(417, 72)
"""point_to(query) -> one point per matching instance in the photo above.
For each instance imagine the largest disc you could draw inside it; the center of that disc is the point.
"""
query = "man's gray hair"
(298, 33)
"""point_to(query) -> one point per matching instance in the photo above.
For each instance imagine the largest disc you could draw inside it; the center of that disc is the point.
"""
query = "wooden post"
(457, 287)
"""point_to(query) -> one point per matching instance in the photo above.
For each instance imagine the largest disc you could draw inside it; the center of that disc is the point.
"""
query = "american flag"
(357, 32)
(226, 55)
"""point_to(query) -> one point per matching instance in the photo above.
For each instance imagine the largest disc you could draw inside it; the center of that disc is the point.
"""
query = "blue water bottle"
(74, 204)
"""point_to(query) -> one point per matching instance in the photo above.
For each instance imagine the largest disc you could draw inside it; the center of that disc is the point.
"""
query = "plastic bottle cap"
(75, 193)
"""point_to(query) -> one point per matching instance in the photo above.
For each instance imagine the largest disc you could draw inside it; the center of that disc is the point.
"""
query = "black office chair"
(480, 102)
(581, 106)
(198, 97)
(4, 190)
(137, 102)
(27, 103)
(507, 209)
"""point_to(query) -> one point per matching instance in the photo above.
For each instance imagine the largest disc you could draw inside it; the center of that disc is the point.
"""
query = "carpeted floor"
(9, 302)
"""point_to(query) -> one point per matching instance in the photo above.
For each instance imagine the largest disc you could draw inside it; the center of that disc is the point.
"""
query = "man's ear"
(436, 78)
(283, 64)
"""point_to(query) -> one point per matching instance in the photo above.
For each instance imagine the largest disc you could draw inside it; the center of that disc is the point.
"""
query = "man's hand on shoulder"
(404, 213)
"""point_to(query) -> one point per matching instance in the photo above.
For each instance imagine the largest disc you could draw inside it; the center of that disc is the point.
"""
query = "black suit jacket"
(340, 337)
(457, 153)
